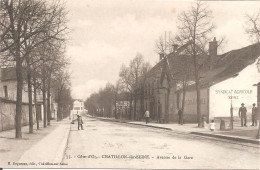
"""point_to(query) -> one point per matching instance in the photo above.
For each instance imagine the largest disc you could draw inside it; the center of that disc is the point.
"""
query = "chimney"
(213, 52)
(161, 55)
(213, 47)
(174, 47)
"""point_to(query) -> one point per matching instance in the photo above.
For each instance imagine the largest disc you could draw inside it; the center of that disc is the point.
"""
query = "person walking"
(147, 116)
(242, 114)
(254, 114)
(180, 115)
(80, 122)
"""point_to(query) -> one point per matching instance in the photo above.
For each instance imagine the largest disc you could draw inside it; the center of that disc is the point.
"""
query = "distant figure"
(180, 115)
(80, 122)
(212, 125)
(147, 116)
(254, 115)
(242, 114)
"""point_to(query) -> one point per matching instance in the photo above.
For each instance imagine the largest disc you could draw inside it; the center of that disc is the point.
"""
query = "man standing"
(180, 115)
(254, 114)
(147, 116)
(242, 114)
(80, 122)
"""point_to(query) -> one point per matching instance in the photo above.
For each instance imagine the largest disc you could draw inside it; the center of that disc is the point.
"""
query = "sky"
(107, 33)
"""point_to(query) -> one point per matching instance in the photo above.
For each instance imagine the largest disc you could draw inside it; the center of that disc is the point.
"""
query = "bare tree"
(253, 26)
(183, 70)
(117, 89)
(61, 84)
(195, 25)
(160, 46)
(130, 78)
(164, 44)
(127, 82)
(92, 103)
(36, 86)
(136, 71)
(25, 24)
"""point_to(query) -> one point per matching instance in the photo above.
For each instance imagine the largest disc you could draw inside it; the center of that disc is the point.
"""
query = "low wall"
(7, 114)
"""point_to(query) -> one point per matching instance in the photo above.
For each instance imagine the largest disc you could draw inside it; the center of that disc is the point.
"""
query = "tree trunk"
(168, 104)
(18, 115)
(131, 99)
(62, 111)
(29, 82)
(44, 100)
(135, 98)
(183, 99)
(58, 112)
(198, 102)
(59, 107)
(198, 106)
(49, 101)
(115, 105)
(35, 101)
(196, 75)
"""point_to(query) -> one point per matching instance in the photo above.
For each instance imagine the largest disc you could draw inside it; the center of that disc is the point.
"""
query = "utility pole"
(231, 112)
(258, 107)
(258, 100)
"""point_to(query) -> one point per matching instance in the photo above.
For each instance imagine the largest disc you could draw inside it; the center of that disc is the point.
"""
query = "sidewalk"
(238, 134)
(44, 146)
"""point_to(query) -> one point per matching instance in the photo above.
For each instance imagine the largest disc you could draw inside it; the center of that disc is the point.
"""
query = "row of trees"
(126, 88)
(32, 39)
(103, 101)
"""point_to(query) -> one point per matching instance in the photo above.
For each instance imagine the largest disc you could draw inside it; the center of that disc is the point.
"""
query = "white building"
(240, 88)
(77, 109)
(231, 79)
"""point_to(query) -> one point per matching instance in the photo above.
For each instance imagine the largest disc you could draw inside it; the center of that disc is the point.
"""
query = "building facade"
(234, 71)
(77, 108)
(8, 93)
(8, 85)
(230, 81)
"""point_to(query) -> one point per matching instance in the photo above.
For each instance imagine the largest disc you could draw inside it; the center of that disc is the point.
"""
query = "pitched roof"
(225, 66)
(171, 58)
(177, 61)
(80, 100)
(229, 64)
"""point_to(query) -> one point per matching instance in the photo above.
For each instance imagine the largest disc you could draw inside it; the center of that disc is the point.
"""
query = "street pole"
(258, 108)
(258, 100)
(231, 112)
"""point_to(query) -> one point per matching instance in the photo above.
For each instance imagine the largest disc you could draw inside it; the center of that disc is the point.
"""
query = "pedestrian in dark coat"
(254, 115)
(180, 115)
(80, 122)
(242, 114)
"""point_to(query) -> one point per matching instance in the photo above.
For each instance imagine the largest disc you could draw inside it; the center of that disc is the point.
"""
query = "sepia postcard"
(129, 84)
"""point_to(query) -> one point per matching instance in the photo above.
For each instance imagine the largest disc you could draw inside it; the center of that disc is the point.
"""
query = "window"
(5, 92)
